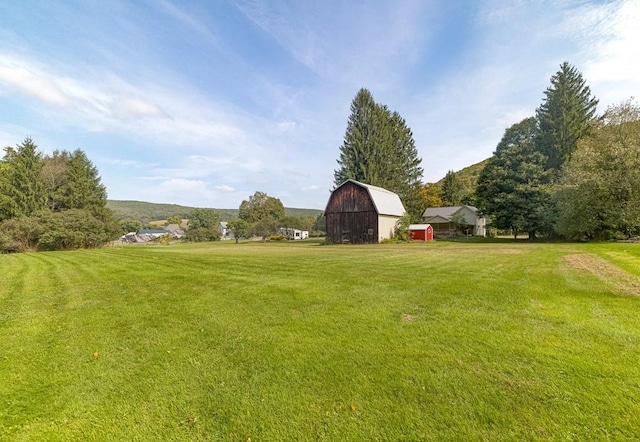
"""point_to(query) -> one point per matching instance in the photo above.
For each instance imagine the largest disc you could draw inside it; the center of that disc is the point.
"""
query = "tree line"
(564, 172)
(567, 172)
(51, 202)
(260, 215)
(58, 202)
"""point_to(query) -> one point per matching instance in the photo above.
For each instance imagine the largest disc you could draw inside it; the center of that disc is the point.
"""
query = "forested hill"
(146, 212)
(467, 177)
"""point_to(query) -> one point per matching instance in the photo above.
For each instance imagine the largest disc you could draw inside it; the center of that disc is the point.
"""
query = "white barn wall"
(386, 226)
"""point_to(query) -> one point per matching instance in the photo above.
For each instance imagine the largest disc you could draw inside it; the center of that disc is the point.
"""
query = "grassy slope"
(146, 212)
(444, 341)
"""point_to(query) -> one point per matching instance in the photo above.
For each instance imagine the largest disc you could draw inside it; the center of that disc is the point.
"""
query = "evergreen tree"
(358, 147)
(21, 184)
(51, 203)
(452, 190)
(564, 116)
(378, 149)
(81, 186)
(511, 188)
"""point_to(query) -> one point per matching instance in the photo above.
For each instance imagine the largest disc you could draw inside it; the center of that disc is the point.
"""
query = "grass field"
(282, 342)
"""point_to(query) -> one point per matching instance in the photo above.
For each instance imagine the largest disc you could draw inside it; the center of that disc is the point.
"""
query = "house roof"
(385, 201)
(172, 227)
(223, 224)
(445, 212)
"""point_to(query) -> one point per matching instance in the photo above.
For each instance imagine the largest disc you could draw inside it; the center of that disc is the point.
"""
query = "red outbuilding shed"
(421, 232)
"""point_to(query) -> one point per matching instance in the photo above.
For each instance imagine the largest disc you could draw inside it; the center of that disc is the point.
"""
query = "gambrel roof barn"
(359, 213)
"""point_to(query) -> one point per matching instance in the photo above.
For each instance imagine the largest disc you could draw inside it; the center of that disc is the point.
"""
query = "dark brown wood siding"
(351, 216)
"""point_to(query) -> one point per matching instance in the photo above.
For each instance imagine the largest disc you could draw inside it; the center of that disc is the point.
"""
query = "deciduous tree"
(203, 225)
(599, 192)
(259, 206)
(239, 228)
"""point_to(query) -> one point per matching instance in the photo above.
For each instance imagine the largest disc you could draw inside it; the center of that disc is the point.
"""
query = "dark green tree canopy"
(564, 115)
(76, 182)
(52, 202)
(511, 188)
(378, 149)
(452, 190)
(21, 183)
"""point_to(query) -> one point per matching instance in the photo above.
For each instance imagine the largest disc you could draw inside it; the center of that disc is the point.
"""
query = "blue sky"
(202, 103)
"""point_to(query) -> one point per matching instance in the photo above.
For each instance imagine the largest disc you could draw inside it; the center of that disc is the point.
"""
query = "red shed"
(421, 232)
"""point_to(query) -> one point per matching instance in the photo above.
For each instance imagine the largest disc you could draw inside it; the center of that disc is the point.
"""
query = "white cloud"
(129, 163)
(31, 80)
(613, 53)
(225, 188)
(136, 107)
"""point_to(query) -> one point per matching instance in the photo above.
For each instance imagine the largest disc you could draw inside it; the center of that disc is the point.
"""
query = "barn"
(421, 232)
(359, 213)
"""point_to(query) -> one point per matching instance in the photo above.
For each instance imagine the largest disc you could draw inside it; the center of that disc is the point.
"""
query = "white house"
(225, 233)
(443, 220)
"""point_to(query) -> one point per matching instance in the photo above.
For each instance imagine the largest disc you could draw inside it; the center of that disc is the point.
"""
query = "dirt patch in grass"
(408, 319)
(605, 271)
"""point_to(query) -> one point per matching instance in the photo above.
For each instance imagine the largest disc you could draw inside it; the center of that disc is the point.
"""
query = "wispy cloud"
(31, 80)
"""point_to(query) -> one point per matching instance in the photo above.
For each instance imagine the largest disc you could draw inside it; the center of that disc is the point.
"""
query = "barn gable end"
(359, 213)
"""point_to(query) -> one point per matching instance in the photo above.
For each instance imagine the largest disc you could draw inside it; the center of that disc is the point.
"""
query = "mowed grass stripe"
(309, 342)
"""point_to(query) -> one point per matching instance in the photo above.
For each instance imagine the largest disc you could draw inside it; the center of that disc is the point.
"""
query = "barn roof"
(385, 201)
(445, 212)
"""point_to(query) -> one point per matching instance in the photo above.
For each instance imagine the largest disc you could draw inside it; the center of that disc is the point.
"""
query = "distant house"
(293, 233)
(443, 220)
(225, 233)
(151, 235)
(359, 213)
(175, 230)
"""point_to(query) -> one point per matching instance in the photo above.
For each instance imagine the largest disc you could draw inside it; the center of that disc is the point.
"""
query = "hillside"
(468, 177)
(147, 212)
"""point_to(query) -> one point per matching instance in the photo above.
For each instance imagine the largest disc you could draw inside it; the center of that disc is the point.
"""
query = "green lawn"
(282, 342)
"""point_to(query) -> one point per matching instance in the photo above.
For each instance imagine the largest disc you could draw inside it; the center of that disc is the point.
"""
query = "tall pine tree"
(452, 190)
(81, 186)
(22, 186)
(357, 150)
(564, 115)
(379, 149)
